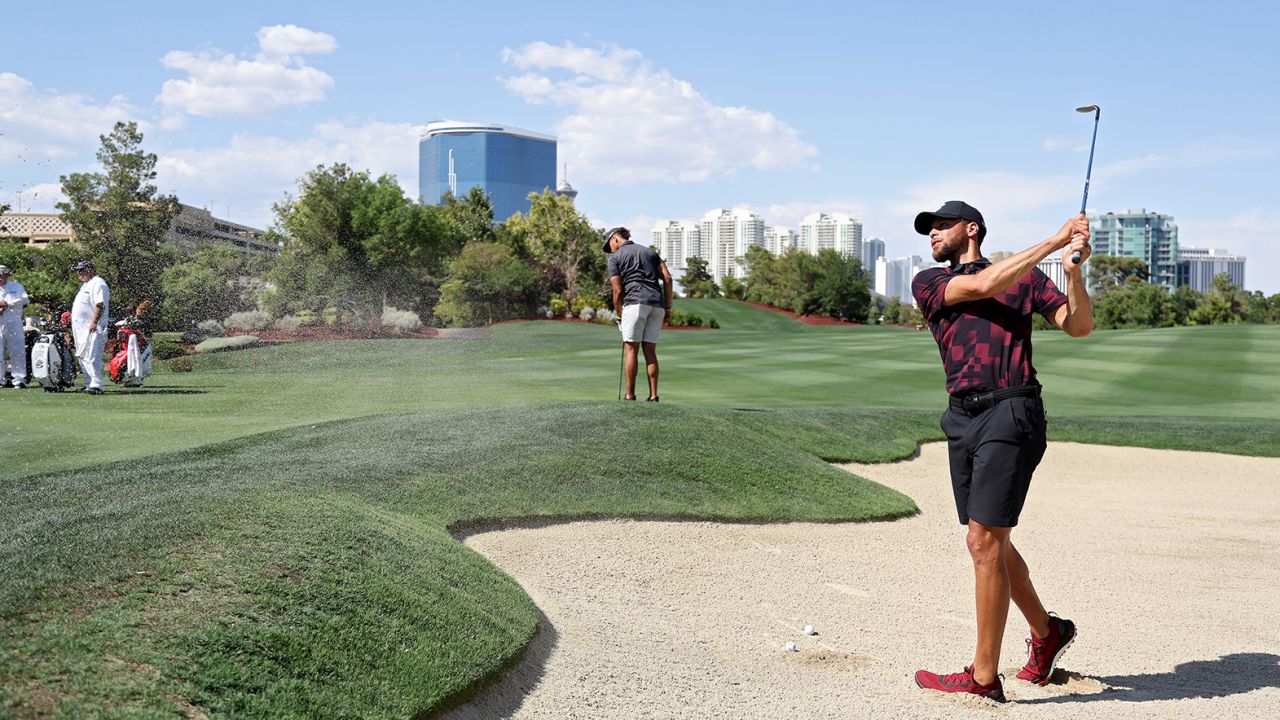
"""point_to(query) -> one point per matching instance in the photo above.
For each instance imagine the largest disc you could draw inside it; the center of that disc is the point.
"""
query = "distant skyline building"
(675, 242)
(872, 250)
(506, 162)
(1198, 266)
(564, 188)
(778, 238)
(191, 229)
(831, 231)
(1148, 236)
(893, 277)
(726, 235)
(1052, 266)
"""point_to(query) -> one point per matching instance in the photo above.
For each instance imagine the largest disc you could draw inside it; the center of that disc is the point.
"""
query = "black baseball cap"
(609, 236)
(82, 265)
(952, 210)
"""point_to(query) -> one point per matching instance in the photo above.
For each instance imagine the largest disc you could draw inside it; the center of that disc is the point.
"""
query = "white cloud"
(42, 127)
(223, 85)
(252, 172)
(1068, 144)
(290, 40)
(630, 123)
(41, 198)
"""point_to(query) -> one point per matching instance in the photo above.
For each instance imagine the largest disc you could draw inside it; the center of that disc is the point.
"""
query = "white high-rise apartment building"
(893, 277)
(726, 235)
(1052, 266)
(831, 231)
(778, 238)
(676, 241)
(1197, 266)
(872, 250)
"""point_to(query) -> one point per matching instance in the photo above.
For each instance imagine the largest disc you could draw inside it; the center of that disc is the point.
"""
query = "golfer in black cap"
(980, 313)
(642, 299)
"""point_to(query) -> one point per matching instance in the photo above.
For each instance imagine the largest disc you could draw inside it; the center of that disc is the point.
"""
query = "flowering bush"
(289, 324)
(587, 313)
(401, 320)
(210, 328)
(249, 320)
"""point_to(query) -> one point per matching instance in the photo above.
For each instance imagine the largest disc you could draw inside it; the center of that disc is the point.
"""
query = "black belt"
(981, 401)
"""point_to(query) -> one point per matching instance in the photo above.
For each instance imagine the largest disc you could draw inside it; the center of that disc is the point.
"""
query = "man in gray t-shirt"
(642, 299)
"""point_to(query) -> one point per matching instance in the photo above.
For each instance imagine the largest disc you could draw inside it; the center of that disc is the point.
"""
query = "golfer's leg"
(651, 367)
(987, 546)
(1024, 593)
(630, 366)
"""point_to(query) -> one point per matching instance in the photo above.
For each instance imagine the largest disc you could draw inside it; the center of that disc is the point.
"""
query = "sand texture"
(1169, 563)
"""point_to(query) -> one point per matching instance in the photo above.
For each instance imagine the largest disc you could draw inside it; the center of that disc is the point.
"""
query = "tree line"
(1123, 297)
(351, 245)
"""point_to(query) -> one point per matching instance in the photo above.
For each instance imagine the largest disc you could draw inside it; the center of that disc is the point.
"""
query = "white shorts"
(642, 323)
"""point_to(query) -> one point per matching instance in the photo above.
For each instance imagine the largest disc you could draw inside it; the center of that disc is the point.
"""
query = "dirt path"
(1169, 562)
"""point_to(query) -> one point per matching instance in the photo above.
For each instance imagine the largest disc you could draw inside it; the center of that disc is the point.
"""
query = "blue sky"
(668, 110)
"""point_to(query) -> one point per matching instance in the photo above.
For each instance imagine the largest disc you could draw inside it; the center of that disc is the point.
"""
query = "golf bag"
(52, 365)
(132, 362)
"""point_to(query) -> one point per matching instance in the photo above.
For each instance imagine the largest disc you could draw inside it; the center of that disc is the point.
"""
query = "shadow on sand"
(1229, 675)
(505, 696)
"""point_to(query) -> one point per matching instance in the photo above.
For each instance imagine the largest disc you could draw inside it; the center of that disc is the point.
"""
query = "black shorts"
(993, 454)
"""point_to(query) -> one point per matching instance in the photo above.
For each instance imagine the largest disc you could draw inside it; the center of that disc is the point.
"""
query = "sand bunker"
(1169, 563)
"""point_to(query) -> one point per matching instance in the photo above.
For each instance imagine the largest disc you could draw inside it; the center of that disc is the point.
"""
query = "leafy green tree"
(875, 308)
(1110, 271)
(119, 218)
(1224, 304)
(1183, 302)
(472, 215)
(44, 272)
(357, 244)
(841, 290)
(696, 281)
(201, 288)
(733, 288)
(561, 244)
(1134, 305)
(892, 311)
(487, 283)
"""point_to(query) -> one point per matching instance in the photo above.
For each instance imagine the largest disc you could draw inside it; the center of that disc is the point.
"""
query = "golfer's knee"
(985, 547)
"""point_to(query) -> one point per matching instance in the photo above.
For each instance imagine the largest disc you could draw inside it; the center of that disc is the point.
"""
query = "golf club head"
(1096, 110)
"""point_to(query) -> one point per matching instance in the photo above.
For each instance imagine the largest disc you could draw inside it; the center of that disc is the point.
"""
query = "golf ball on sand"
(810, 630)
(790, 646)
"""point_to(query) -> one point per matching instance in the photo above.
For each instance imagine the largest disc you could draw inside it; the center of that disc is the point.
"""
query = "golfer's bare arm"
(1003, 274)
(666, 287)
(1075, 318)
(616, 282)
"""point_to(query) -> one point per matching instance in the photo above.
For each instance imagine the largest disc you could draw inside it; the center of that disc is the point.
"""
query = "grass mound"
(311, 571)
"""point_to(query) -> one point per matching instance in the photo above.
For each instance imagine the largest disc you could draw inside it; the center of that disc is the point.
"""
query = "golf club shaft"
(1088, 175)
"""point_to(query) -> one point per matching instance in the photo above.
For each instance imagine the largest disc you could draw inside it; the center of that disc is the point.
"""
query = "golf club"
(621, 362)
(1097, 112)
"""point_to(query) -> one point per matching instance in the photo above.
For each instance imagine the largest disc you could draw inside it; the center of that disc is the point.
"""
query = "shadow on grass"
(1234, 674)
(507, 693)
(161, 391)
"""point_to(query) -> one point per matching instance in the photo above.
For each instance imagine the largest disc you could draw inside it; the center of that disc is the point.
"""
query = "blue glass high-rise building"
(507, 163)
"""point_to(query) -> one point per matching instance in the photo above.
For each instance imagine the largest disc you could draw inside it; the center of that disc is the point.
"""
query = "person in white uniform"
(13, 298)
(89, 325)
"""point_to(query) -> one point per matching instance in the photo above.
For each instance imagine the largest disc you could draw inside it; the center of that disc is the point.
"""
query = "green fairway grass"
(270, 535)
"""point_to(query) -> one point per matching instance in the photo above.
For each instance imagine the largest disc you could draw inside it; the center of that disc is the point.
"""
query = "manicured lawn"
(270, 534)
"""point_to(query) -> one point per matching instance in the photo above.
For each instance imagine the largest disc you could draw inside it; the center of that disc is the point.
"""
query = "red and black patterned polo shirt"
(985, 344)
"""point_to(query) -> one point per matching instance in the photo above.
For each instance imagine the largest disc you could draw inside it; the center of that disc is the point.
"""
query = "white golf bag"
(51, 363)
